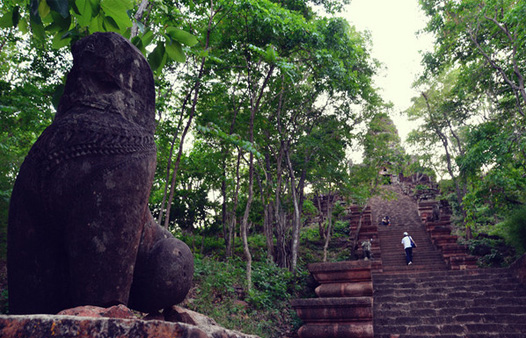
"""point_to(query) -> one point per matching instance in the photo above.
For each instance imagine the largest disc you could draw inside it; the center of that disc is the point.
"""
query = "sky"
(393, 25)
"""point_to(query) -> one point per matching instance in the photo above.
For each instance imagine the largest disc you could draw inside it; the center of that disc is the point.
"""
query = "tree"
(443, 113)
(476, 99)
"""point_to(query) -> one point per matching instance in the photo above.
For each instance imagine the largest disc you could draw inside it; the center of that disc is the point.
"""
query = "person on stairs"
(366, 248)
(409, 244)
(386, 221)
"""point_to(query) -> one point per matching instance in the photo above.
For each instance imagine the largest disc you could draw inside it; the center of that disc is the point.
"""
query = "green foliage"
(420, 187)
(472, 107)
(513, 229)
(232, 139)
(309, 208)
(492, 251)
(271, 285)
(62, 22)
(310, 235)
(220, 293)
(341, 229)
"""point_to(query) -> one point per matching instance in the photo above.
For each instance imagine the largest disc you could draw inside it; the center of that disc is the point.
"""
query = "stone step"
(426, 299)
(466, 330)
(334, 309)
(449, 304)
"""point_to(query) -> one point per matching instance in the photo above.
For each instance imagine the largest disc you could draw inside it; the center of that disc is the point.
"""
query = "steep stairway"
(470, 303)
(402, 210)
(426, 299)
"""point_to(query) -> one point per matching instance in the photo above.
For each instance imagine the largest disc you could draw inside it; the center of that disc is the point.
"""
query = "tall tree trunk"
(445, 144)
(196, 88)
(228, 229)
(232, 222)
(329, 227)
(255, 100)
(170, 157)
(244, 224)
(224, 217)
(281, 250)
(296, 220)
(321, 217)
(267, 231)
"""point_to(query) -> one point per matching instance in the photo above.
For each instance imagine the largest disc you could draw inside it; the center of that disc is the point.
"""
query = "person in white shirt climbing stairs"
(409, 244)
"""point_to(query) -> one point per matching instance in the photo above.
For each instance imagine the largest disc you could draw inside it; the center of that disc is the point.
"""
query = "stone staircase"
(470, 303)
(427, 298)
(404, 217)
(441, 294)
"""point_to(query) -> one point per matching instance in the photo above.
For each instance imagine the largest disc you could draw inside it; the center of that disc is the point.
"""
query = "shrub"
(220, 293)
(271, 285)
(492, 250)
(341, 229)
(513, 229)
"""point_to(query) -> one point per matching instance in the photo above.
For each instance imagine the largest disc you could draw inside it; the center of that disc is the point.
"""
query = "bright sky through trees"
(393, 25)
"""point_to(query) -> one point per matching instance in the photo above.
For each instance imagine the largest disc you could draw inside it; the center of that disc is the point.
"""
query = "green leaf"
(118, 10)
(43, 9)
(110, 25)
(163, 62)
(16, 16)
(6, 20)
(37, 28)
(137, 42)
(96, 24)
(147, 38)
(59, 24)
(35, 16)
(95, 7)
(59, 41)
(85, 9)
(22, 25)
(175, 51)
(271, 54)
(181, 36)
(59, 6)
(141, 27)
(155, 58)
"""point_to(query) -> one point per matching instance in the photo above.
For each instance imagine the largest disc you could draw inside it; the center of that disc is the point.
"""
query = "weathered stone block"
(355, 330)
(345, 271)
(340, 310)
(357, 289)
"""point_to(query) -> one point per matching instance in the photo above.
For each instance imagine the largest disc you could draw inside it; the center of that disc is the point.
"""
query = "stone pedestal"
(345, 306)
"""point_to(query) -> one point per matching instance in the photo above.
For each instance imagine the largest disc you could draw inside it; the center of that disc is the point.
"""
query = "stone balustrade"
(455, 255)
(368, 231)
(345, 306)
